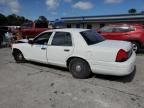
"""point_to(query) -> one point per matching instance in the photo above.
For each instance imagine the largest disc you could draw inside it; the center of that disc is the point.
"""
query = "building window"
(68, 25)
(77, 25)
(89, 26)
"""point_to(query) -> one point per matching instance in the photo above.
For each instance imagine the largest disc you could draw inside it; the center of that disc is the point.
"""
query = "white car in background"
(82, 51)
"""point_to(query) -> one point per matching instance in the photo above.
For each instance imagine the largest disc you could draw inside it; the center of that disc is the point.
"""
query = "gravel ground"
(33, 85)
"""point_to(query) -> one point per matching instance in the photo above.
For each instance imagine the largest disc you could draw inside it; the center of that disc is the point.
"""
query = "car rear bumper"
(115, 68)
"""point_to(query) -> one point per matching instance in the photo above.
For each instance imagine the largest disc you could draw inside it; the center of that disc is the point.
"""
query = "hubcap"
(78, 68)
(134, 47)
(20, 56)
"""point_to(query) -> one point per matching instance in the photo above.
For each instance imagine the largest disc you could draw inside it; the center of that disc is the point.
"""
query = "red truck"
(128, 32)
(30, 29)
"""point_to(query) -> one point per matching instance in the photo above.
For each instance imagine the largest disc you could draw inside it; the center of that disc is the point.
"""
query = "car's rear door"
(60, 49)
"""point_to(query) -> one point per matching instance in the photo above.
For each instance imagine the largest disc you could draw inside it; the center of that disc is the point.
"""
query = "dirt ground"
(33, 85)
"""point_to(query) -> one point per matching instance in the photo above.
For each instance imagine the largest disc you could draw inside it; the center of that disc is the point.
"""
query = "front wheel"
(18, 56)
(79, 68)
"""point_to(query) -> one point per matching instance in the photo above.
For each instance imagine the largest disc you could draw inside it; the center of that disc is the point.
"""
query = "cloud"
(83, 5)
(13, 5)
(113, 1)
(54, 13)
(52, 4)
(2, 1)
(68, 1)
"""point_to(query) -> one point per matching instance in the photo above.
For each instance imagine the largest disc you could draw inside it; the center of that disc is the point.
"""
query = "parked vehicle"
(82, 51)
(4, 38)
(128, 32)
(29, 30)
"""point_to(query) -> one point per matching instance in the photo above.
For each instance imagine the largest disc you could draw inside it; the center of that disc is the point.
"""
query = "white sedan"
(82, 51)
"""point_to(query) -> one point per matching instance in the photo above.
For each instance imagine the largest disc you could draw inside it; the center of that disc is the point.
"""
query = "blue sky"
(55, 9)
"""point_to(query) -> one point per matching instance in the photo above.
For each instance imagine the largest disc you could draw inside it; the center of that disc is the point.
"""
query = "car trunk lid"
(115, 44)
(108, 49)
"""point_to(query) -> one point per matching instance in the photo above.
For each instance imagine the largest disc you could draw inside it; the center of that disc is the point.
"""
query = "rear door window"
(62, 39)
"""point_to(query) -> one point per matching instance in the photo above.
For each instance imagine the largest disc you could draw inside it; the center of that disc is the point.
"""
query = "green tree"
(14, 20)
(42, 18)
(3, 20)
(42, 22)
(21, 20)
(132, 11)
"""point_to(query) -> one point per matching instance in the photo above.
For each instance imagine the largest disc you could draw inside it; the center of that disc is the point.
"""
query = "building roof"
(105, 18)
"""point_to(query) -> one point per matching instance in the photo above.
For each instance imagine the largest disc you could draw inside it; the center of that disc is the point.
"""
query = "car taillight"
(121, 56)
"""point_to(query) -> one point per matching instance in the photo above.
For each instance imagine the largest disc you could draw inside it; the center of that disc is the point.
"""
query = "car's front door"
(38, 49)
(60, 49)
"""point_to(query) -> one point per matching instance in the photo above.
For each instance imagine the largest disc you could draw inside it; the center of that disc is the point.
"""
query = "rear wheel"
(18, 56)
(79, 68)
(136, 46)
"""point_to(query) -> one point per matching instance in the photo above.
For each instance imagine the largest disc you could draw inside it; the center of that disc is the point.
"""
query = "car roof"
(67, 30)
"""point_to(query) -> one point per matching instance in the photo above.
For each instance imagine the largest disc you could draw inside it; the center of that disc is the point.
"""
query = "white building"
(96, 22)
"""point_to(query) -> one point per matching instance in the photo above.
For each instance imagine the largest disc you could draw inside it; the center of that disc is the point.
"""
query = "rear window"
(91, 37)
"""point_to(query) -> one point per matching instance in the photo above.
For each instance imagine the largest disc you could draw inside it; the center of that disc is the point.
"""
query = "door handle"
(43, 48)
(66, 50)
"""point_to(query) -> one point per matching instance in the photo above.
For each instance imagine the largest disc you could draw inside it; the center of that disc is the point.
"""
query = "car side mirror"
(30, 41)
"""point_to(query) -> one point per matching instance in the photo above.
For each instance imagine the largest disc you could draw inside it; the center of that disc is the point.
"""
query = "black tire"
(79, 68)
(136, 47)
(18, 56)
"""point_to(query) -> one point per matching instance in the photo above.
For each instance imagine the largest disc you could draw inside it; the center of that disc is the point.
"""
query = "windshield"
(91, 37)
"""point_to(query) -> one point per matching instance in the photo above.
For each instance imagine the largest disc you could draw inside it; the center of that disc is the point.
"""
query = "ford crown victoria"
(82, 51)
